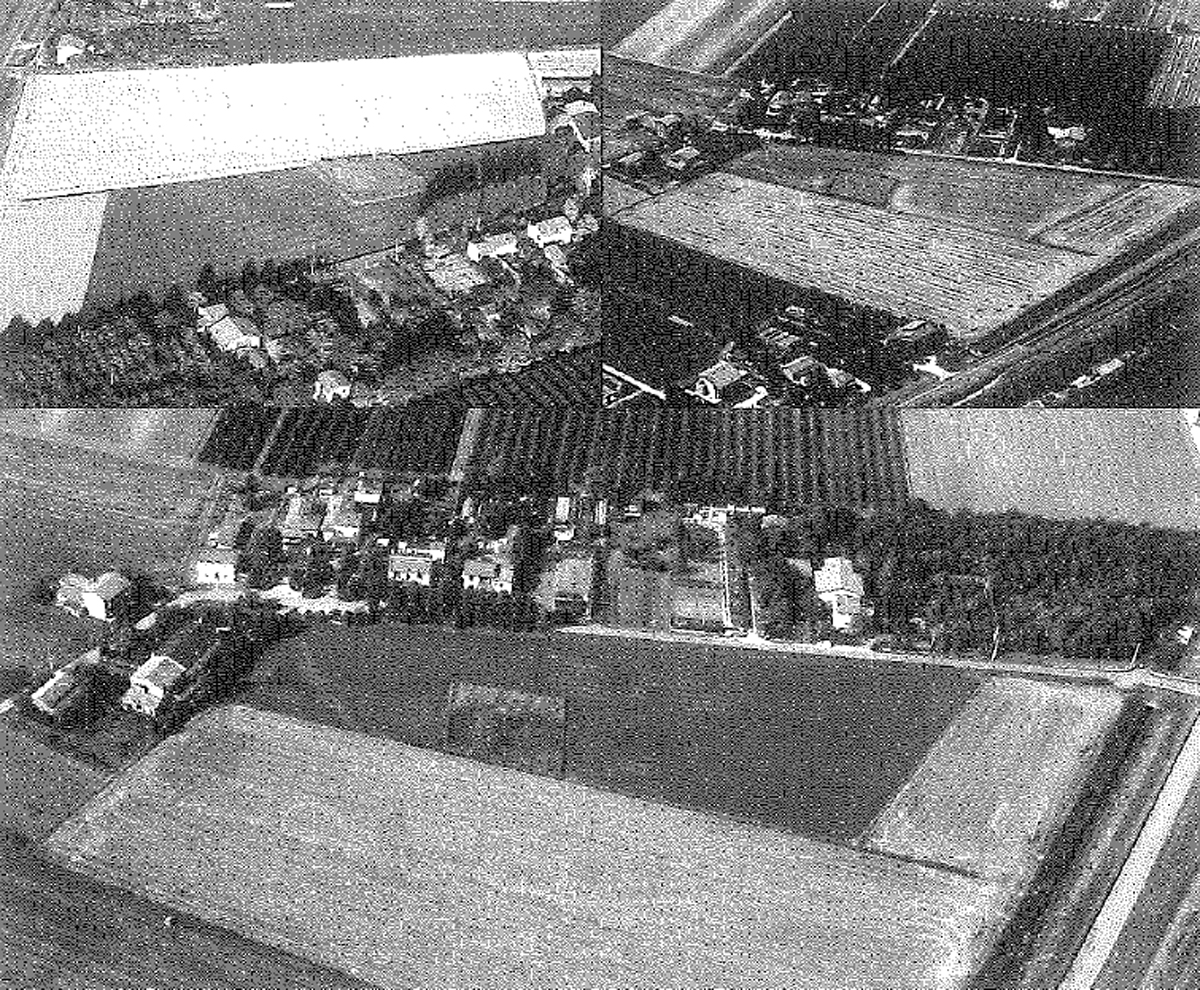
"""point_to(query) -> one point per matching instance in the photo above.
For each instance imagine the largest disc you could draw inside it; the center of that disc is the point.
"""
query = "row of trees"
(238, 435)
(421, 437)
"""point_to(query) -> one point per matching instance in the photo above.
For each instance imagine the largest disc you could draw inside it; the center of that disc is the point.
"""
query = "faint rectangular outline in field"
(90, 132)
(46, 253)
(434, 870)
(481, 719)
(1001, 780)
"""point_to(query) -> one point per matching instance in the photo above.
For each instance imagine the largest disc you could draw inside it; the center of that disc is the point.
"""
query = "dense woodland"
(1081, 589)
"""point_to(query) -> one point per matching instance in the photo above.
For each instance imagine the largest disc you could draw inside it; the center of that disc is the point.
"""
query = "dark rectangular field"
(61, 929)
(791, 741)
(319, 29)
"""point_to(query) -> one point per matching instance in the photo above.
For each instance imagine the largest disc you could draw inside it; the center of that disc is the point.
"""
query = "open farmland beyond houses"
(816, 747)
(154, 436)
(922, 241)
(1131, 465)
(435, 871)
(39, 787)
(319, 29)
(46, 254)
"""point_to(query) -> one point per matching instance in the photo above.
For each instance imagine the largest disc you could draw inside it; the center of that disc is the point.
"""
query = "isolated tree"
(208, 283)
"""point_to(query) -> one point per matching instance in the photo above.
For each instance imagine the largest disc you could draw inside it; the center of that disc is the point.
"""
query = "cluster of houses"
(655, 148)
(174, 670)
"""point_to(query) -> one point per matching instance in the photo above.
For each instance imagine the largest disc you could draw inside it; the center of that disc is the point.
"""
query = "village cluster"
(356, 547)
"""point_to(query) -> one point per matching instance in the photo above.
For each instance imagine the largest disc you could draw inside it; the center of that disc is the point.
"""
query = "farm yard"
(1131, 465)
(446, 862)
(758, 736)
(64, 509)
(61, 929)
(1000, 780)
(315, 30)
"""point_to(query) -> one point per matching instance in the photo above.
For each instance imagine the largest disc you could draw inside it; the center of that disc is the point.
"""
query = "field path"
(1132, 879)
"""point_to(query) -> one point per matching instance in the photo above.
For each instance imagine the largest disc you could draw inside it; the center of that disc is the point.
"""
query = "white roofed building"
(149, 684)
(556, 230)
(105, 598)
(216, 566)
(331, 385)
(840, 586)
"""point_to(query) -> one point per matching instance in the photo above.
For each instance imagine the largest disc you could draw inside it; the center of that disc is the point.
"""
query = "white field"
(1001, 779)
(95, 131)
(46, 254)
(410, 868)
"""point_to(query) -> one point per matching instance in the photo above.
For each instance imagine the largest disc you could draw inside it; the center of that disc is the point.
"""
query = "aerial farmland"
(535, 866)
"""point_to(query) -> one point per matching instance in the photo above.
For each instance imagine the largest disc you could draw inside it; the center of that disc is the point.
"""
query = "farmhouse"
(67, 689)
(493, 246)
(841, 588)
(331, 385)
(343, 519)
(106, 598)
(571, 581)
(488, 574)
(302, 519)
(369, 490)
(556, 230)
(232, 333)
(217, 565)
(414, 564)
(150, 684)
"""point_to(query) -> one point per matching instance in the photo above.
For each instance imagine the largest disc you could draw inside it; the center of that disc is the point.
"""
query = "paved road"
(1121, 900)
(1122, 678)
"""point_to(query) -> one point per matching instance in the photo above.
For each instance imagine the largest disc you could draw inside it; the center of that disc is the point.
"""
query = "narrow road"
(1121, 900)
(1125, 679)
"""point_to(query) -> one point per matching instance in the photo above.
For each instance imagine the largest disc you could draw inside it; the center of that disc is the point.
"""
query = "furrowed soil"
(412, 868)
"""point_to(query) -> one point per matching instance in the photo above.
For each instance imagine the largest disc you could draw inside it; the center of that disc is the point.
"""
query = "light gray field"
(410, 868)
